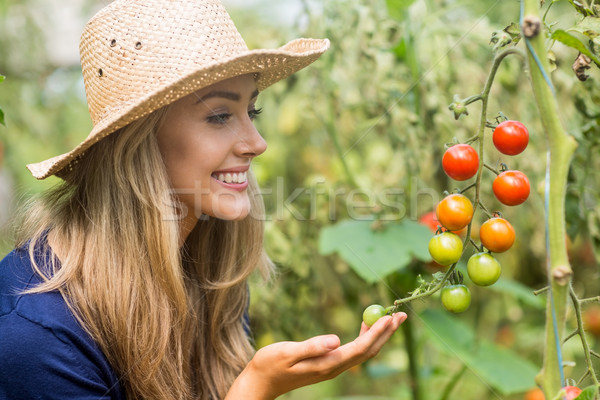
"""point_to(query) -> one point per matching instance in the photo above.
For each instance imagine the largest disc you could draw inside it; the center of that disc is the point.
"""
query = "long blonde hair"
(168, 318)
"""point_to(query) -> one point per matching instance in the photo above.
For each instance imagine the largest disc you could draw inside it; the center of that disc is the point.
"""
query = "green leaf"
(2, 117)
(373, 254)
(502, 369)
(589, 393)
(581, 8)
(574, 42)
(400, 50)
(590, 27)
(519, 291)
(396, 8)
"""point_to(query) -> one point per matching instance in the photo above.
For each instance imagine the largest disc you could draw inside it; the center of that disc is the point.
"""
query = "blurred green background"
(358, 136)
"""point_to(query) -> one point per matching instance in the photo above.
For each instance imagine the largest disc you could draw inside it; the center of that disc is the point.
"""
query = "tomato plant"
(454, 212)
(510, 137)
(483, 269)
(511, 188)
(445, 248)
(460, 162)
(372, 314)
(456, 298)
(497, 235)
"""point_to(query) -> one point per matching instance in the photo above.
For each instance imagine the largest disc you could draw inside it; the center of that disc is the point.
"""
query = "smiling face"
(207, 142)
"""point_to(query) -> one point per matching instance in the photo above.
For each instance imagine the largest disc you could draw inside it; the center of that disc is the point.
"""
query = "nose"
(251, 143)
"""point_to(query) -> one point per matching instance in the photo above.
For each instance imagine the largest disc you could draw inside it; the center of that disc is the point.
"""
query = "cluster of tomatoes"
(455, 212)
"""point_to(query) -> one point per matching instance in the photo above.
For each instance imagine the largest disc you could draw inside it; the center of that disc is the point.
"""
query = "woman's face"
(208, 141)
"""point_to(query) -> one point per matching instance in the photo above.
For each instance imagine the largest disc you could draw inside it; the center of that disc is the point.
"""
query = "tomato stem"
(427, 293)
(540, 291)
(472, 139)
(570, 335)
(590, 300)
(485, 210)
(480, 249)
(584, 343)
(453, 382)
(472, 185)
(491, 168)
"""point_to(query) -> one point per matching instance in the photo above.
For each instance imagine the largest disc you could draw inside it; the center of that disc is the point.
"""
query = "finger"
(400, 318)
(313, 347)
(381, 339)
(363, 328)
(369, 343)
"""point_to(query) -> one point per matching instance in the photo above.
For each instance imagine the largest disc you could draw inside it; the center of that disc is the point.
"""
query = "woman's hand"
(281, 367)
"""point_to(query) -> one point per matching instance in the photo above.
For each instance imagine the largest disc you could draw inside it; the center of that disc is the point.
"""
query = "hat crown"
(131, 48)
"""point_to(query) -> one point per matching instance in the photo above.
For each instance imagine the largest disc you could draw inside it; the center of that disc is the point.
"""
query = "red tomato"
(429, 220)
(511, 188)
(454, 212)
(572, 392)
(510, 137)
(460, 162)
(497, 235)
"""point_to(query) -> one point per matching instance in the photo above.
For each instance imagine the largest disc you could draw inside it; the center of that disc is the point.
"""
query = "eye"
(253, 113)
(218, 119)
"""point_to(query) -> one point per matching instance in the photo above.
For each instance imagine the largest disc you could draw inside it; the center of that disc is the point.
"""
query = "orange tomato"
(534, 394)
(497, 235)
(454, 212)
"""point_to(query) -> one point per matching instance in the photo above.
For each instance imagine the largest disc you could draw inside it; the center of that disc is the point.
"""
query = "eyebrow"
(226, 95)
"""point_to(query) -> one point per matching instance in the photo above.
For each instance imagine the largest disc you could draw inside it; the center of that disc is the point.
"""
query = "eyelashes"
(221, 119)
(254, 113)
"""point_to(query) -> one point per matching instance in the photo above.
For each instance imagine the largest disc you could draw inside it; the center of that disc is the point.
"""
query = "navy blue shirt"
(44, 351)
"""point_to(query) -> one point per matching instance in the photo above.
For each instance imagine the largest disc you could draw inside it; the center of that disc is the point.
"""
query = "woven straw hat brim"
(270, 66)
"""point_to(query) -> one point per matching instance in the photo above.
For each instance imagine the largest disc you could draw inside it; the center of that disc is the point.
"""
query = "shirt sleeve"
(36, 364)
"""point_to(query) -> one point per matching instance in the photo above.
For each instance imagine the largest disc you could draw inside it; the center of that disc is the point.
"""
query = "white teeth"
(229, 177)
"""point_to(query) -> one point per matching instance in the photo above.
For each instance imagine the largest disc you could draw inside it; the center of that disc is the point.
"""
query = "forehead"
(243, 85)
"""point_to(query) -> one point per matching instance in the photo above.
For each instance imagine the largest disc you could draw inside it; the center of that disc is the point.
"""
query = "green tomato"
(445, 248)
(456, 298)
(483, 269)
(372, 314)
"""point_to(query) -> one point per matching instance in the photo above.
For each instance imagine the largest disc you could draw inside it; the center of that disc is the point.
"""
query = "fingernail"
(403, 316)
(332, 342)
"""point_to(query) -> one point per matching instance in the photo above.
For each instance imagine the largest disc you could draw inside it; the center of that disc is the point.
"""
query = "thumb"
(317, 346)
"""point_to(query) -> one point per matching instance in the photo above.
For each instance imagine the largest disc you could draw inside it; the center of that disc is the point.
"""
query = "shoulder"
(44, 351)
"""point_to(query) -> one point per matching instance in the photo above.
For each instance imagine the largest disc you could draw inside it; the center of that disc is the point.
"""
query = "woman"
(129, 280)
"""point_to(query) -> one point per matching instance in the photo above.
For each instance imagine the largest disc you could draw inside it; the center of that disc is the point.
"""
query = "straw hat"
(138, 56)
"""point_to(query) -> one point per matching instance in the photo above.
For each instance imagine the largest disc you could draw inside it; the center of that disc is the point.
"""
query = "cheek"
(192, 160)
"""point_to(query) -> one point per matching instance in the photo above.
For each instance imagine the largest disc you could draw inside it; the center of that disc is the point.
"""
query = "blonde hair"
(168, 318)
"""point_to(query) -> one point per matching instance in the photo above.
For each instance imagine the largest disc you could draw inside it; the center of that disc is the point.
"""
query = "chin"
(230, 211)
